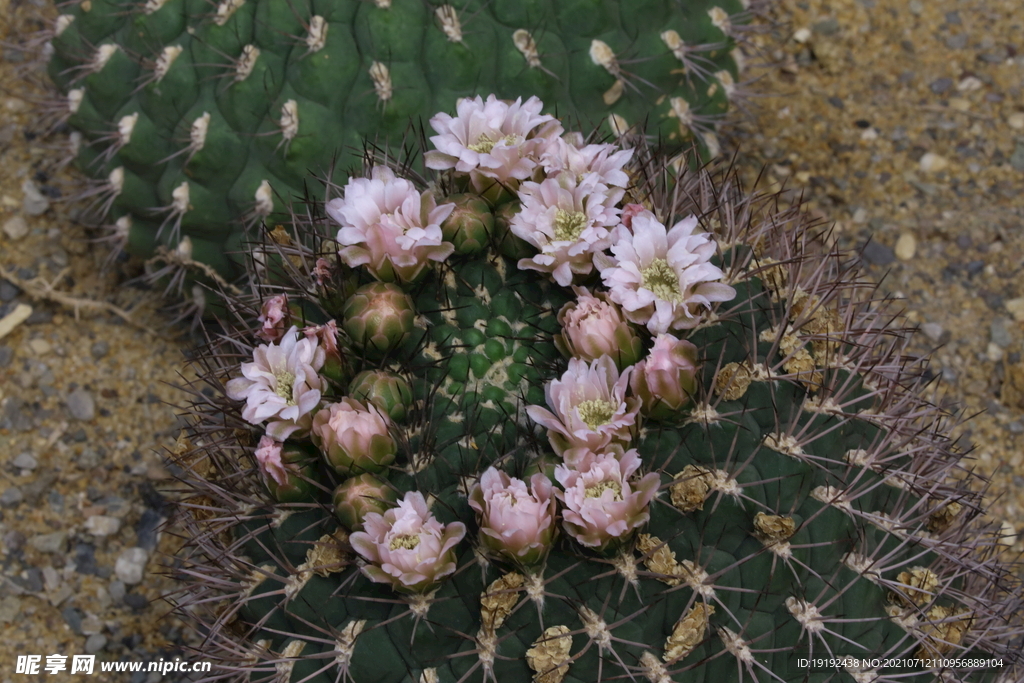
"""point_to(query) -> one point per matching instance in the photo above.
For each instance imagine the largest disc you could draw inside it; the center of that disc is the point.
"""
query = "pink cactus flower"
(629, 211)
(281, 386)
(601, 505)
(567, 219)
(666, 381)
(663, 278)
(593, 326)
(353, 437)
(389, 226)
(569, 153)
(268, 455)
(275, 318)
(590, 406)
(495, 139)
(516, 522)
(407, 547)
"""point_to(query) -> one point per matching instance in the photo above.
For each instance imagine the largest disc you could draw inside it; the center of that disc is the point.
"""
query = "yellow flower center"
(283, 388)
(596, 490)
(662, 280)
(569, 224)
(484, 144)
(595, 413)
(406, 541)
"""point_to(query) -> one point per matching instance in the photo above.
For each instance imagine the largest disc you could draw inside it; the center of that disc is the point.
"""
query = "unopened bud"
(469, 225)
(379, 317)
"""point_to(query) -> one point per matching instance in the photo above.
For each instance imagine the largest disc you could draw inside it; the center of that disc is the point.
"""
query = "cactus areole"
(751, 489)
(200, 118)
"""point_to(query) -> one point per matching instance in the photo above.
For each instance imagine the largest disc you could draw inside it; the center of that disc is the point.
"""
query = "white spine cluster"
(225, 9)
(75, 96)
(526, 45)
(345, 644)
(317, 37)
(62, 23)
(264, 199)
(116, 180)
(125, 127)
(720, 19)
(807, 614)
(675, 43)
(197, 134)
(246, 63)
(164, 61)
(450, 24)
(290, 120)
(602, 55)
(180, 199)
(102, 56)
(153, 6)
(381, 81)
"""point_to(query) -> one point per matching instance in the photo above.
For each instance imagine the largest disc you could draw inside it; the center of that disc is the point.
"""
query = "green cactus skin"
(823, 425)
(231, 106)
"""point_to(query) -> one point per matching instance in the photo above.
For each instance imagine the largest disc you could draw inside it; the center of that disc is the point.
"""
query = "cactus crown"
(767, 483)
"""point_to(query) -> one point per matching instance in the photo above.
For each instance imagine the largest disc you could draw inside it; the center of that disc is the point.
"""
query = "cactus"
(199, 120)
(548, 518)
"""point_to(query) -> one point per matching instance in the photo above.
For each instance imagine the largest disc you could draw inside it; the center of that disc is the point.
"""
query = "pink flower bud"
(353, 438)
(275, 318)
(666, 380)
(629, 211)
(602, 506)
(336, 366)
(593, 326)
(515, 522)
(407, 547)
(386, 390)
(288, 470)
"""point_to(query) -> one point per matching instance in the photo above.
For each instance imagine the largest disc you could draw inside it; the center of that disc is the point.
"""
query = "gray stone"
(6, 356)
(147, 531)
(10, 609)
(102, 525)
(11, 497)
(1017, 158)
(81, 405)
(49, 543)
(73, 616)
(878, 254)
(1000, 332)
(15, 228)
(26, 461)
(88, 460)
(957, 42)
(34, 203)
(8, 291)
(940, 85)
(13, 541)
(95, 643)
(827, 27)
(117, 590)
(34, 490)
(99, 349)
(933, 331)
(131, 565)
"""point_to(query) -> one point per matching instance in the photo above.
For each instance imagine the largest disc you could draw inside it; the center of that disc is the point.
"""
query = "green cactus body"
(240, 101)
(804, 505)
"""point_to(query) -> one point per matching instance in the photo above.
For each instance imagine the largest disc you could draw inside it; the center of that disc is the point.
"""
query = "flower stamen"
(660, 278)
(595, 412)
(284, 385)
(596, 490)
(569, 225)
(406, 541)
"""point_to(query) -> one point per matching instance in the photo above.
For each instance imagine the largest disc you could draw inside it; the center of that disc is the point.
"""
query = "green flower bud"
(356, 497)
(469, 225)
(353, 438)
(386, 390)
(379, 317)
(501, 236)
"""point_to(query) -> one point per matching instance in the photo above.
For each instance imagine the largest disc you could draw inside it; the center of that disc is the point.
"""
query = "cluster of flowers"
(569, 196)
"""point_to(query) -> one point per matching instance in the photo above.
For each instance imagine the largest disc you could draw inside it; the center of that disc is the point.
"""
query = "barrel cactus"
(197, 120)
(636, 426)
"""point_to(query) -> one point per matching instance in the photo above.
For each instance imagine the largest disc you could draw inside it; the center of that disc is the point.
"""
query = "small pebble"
(49, 543)
(40, 347)
(73, 617)
(13, 541)
(1015, 121)
(25, 461)
(6, 355)
(117, 590)
(51, 578)
(915, 7)
(88, 459)
(993, 352)
(15, 228)
(827, 27)
(1000, 332)
(906, 246)
(34, 203)
(878, 254)
(99, 349)
(933, 163)
(1016, 308)
(95, 643)
(1017, 158)
(102, 525)
(957, 42)
(11, 497)
(135, 601)
(81, 405)
(940, 85)
(8, 291)
(130, 565)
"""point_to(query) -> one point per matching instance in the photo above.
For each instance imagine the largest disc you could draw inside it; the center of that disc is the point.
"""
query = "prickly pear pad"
(802, 502)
